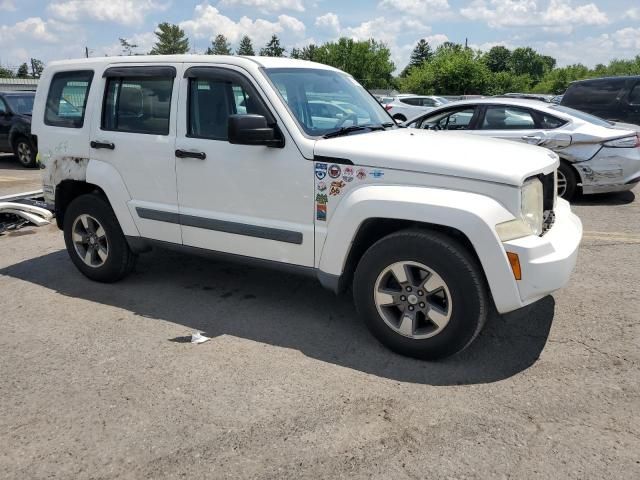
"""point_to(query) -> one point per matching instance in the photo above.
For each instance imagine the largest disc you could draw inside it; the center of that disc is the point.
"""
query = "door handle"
(189, 154)
(532, 138)
(107, 145)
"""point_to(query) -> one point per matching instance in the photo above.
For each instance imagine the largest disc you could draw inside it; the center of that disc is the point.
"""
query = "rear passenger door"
(510, 123)
(135, 132)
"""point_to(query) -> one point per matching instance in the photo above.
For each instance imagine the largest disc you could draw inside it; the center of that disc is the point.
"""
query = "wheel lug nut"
(403, 298)
(422, 305)
(411, 308)
(408, 289)
(420, 292)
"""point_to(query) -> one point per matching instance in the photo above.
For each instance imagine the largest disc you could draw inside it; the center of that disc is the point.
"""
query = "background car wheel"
(421, 294)
(400, 118)
(25, 151)
(95, 241)
(567, 181)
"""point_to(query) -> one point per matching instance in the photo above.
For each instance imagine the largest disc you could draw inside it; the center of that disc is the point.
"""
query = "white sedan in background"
(405, 106)
(596, 155)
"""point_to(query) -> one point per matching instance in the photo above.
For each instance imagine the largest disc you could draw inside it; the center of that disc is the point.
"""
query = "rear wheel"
(421, 294)
(567, 181)
(25, 151)
(95, 241)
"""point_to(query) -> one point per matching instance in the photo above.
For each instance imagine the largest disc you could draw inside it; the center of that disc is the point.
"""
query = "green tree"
(505, 82)
(6, 73)
(368, 61)
(23, 71)
(449, 47)
(295, 53)
(219, 46)
(451, 71)
(497, 58)
(273, 48)
(127, 47)
(526, 61)
(245, 47)
(171, 39)
(36, 67)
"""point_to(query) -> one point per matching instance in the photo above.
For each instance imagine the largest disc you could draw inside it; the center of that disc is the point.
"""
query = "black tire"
(25, 151)
(571, 177)
(453, 263)
(120, 259)
(400, 118)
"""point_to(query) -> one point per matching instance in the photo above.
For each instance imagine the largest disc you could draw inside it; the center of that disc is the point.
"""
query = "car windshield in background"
(22, 104)
(583, 116)
(325, 101)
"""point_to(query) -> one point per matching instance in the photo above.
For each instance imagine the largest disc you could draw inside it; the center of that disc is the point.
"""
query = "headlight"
(531, 205)
(531, 215)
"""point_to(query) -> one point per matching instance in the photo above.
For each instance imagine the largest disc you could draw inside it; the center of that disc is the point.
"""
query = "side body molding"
(107, 177)
(472, 214)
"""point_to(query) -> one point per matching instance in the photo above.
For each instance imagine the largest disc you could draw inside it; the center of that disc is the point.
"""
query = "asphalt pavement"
(98, 382)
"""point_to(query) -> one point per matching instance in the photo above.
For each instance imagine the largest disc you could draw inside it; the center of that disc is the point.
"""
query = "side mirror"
(253, 130)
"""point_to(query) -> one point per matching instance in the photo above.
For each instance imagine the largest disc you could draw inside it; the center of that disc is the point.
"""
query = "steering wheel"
(352, 116)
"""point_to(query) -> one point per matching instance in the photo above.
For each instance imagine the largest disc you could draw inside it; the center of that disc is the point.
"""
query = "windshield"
(582, 116)
(325, 101)
(22, 104)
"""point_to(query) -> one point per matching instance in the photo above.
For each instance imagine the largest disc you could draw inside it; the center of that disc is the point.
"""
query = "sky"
(572, 31)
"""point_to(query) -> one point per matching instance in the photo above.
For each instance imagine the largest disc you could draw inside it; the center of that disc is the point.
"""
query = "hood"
(442, 153)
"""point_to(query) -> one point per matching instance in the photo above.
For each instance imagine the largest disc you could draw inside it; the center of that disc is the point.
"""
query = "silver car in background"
(404, 106)
(596, 156)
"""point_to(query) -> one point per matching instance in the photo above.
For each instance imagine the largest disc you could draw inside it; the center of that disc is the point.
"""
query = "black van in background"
(613, 98)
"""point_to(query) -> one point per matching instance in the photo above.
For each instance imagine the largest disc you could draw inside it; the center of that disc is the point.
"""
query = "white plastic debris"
(36, 215)
(197, 337)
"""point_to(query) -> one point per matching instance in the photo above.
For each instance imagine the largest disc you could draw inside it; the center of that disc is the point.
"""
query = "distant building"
(12, 84)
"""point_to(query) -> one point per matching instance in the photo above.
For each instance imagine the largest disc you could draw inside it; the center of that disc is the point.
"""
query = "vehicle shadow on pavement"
(617, 198)
(9, 162)
(289, 311)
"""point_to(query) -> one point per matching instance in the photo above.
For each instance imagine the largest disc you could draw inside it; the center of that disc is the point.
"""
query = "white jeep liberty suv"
(294, 164)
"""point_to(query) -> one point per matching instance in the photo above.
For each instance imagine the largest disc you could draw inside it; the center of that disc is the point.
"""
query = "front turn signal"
(514, 261)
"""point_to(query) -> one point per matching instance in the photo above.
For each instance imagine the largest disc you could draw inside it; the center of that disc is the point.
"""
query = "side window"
(450, 120)
(3, 107)
(212, 100)
(549, 122)
(137, 105)
(427, 102)
(67, 99)
(634, 95)
(507, 118)
(410, 101)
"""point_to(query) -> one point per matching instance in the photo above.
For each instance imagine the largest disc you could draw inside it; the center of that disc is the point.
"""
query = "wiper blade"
(344, 130)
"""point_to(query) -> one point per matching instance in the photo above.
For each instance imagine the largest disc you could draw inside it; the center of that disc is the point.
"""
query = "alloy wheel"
(90, 241)
(562, 184)
(413, 300)
(23, 151)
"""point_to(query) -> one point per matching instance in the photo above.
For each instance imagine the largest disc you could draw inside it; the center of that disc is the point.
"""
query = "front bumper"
(547, 262)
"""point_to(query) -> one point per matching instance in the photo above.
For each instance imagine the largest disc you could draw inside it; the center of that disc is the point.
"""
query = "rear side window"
(410, 101)
(67, 99)
(138, 104)
(634, 95)
(601, 92)
(549, 122)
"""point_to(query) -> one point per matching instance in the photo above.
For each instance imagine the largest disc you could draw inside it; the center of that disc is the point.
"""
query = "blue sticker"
(376, 173)
(321, 170)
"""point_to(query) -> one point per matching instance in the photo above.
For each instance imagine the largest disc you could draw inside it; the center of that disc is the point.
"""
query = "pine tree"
(273, 48)
(245, 47)
(219, 46)
(171, 40)
(421, 53)
(23, 71)
(127, 47)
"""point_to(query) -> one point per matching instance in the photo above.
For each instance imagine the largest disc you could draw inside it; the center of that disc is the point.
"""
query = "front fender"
(472, 214)
(18, 129)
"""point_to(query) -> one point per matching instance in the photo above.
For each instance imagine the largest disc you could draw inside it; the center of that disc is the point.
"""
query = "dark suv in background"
(15, 126)
(613, 98)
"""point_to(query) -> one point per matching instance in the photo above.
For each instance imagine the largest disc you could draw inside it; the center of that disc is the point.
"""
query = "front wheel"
(421, 294)
(95, 241)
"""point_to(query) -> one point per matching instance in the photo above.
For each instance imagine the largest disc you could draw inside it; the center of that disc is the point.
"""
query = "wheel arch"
(370, 213)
